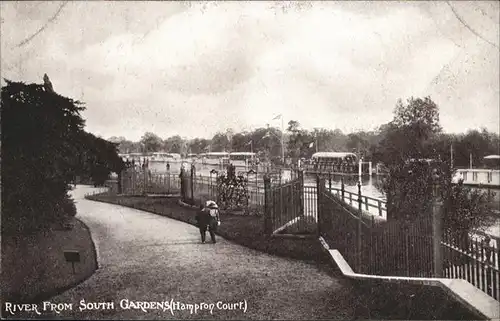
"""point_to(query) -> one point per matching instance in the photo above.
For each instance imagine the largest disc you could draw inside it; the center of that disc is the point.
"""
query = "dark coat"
(203, 218)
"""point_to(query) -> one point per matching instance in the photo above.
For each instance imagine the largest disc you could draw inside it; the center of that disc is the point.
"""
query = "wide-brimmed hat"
(211, 204)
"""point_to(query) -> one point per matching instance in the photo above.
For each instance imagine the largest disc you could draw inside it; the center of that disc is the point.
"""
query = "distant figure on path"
(208, 218)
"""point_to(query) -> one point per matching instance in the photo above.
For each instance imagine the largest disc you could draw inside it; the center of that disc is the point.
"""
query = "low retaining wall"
(34, 266)
(473, 300)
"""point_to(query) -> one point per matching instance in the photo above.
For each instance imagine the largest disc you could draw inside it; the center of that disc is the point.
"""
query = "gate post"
(301, 187)
(144, 180)
(360, 230)
(319, 201)
(193, 169)
(342, 187)
(181, 176)
(437, 232)
(168, 179)
(267, 206)
(119, 182)
(121, 179)
(134, 183)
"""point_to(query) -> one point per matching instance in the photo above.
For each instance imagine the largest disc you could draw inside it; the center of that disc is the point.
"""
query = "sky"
(195, 68)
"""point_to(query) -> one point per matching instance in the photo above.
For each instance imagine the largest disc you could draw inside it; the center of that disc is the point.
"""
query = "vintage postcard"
(246, 160)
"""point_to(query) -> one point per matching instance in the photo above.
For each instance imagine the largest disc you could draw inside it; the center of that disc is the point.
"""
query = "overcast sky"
(197, 68)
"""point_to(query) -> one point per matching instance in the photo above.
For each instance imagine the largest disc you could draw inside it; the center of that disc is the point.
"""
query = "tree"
(409, 135)
(240, 142)
(418, 121)
(117, 140)
(266, 142)
(293, 126)
(409, 185)
(220, 143)
(99, 158)
(296, 139)
(229, 135)
(40, 148)
(198, 145)
(476, 144)
(358, 142)
(151, 142)
(44, 146)
(174, 144)
(334, 141)
(127, 146)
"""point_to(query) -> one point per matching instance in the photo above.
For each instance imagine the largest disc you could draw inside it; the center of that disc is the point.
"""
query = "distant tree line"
(302, 143)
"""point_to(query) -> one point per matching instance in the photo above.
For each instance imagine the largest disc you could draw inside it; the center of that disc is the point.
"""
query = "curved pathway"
(147, 257)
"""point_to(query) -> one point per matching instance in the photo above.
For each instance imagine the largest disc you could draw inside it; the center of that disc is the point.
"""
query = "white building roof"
(332, 155)
(243, 153)
(217, 153)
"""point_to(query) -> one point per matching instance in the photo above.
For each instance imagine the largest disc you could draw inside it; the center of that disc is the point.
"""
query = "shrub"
(44, 147)
(232, 190)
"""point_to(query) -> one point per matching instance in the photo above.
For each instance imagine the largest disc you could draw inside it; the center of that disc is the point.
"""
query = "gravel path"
(146, 257)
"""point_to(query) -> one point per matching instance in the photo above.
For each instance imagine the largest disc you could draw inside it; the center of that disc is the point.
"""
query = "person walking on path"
(208, 218)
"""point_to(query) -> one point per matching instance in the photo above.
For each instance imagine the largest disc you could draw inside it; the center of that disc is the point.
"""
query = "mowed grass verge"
(245, 230)
(34, 266)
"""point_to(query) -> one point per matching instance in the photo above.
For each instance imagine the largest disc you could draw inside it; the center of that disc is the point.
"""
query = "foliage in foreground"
(44, 146)
(39, 134)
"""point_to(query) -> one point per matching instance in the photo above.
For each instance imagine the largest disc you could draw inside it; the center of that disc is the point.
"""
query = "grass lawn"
(406, 301)
(34, 266)
(245, 230)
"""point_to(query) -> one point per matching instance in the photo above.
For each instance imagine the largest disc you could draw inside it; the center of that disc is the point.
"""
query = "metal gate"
(288, 211)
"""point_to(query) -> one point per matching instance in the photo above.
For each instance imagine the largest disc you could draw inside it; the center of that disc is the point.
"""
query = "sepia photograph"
(250, 160)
